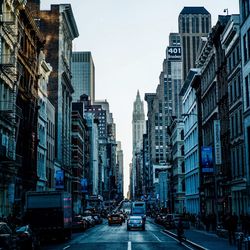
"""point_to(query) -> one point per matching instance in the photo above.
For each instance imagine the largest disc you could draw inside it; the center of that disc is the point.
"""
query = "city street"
(117, 237)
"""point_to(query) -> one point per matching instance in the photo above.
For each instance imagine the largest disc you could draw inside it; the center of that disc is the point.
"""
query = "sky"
(128, 39)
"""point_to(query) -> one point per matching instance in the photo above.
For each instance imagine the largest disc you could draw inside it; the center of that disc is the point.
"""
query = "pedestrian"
(213, 221)
(207, 222)
(231, 222)
(180, 230)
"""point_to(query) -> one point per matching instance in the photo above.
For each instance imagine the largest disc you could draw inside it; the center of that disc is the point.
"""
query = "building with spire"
(138, 129)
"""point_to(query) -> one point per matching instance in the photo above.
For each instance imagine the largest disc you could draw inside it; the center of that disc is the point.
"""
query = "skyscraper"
(83, 72)
(138, 123)
(138, 127)
(194, 22)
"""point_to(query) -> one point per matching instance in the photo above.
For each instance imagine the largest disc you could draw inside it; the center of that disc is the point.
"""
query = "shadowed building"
(59, 27)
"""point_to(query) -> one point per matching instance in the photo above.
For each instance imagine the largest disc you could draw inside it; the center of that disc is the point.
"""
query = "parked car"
(79, 223)
(90, 220)
(97, 218)
(114, 219)
(160, 218)
(26, 239)
(135, 222)
(6, 237)
(169, 222)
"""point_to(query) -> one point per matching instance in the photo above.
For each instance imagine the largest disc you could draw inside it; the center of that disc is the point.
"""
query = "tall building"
(50, 156)
(59, 27)
(215, 164)
(245, 52)
(78, 133)
(194, 22)
(138, 123)
(10, 113)
(83, 75)
(44, 72)
(230, 39)
(138, 129)
(191, 152)
(119, 170)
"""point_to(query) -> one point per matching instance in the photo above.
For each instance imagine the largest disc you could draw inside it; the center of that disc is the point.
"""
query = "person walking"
(232, 222)
(180, 230)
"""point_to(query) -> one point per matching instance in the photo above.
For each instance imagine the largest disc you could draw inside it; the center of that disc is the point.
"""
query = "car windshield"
(138, 210)
(21, 229)
(135, 218)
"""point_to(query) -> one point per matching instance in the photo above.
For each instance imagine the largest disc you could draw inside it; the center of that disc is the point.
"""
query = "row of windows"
(246, 46)
(198, 25)
(233, 59)
(192, 184)
(237, 160)
(245, 9)
(208, 75)
(236, 126)
(234, 89)
(51, 129)
(50, 151)
(247, 92)
(191, 161)
(191, 140)
(209, 103)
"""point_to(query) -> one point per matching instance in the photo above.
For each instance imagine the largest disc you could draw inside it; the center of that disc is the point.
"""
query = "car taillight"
(23, 235)
(141, 221)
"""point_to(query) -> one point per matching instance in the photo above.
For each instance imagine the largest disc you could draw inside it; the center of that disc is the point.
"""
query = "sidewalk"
(207, 240)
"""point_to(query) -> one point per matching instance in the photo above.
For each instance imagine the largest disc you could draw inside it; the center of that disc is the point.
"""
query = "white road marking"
(188, 247)
(66, 247)
(129, 245)
(157, 237)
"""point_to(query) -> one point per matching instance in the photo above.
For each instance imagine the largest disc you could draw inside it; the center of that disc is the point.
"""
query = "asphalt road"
(104, 237)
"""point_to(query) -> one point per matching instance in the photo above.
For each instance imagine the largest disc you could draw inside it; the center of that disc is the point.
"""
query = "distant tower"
(138, 123)
(139, 126)
(194, 23)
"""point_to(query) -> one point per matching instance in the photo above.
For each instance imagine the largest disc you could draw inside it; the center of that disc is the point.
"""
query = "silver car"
(135, 222)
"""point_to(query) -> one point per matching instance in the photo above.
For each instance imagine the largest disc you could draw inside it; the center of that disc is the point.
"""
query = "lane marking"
(129, 245)
(188, 247)
(66, 247)
(157, 237)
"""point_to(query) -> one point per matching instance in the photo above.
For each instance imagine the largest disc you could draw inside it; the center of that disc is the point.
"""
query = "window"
(245, 48)
(245, 9)
(207, 24)
(183, 25)
(187, 23)
(193, 25)
(248, 39)
(197, 25)
(239, 86)
(247, 92)
(203, 25)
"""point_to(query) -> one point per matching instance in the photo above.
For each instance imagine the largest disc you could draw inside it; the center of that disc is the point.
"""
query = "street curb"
(197, 246)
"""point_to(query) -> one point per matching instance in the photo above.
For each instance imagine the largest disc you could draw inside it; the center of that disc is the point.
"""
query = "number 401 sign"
(174, 52)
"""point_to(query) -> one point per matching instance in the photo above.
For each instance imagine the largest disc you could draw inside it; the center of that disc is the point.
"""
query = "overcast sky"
(128, 39)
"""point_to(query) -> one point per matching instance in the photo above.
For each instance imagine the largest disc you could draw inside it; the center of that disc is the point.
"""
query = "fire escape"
(10, 72)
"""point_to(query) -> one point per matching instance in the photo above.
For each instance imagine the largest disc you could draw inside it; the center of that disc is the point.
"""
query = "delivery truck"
(50, 213)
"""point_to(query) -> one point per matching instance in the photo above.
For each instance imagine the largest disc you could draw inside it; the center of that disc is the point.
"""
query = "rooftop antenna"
(225, 10)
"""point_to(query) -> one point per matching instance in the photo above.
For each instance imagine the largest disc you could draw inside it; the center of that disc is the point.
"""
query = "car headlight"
(141, 221)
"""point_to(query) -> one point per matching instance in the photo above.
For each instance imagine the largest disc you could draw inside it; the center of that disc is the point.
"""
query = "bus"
(139, 208)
